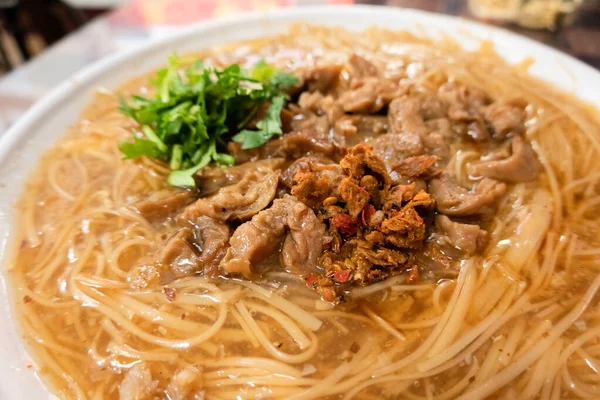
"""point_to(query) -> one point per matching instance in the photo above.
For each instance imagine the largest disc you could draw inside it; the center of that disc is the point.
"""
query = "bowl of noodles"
(336, 203)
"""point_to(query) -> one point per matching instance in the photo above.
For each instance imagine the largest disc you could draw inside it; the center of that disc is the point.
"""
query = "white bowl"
(48, 119)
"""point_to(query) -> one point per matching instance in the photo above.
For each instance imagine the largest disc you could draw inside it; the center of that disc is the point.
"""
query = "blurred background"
(43, 42)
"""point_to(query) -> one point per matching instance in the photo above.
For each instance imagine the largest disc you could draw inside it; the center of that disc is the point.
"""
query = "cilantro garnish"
(267, 127)
(193, 109)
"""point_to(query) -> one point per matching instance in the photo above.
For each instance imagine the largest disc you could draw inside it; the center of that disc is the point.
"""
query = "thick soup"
(322, 214)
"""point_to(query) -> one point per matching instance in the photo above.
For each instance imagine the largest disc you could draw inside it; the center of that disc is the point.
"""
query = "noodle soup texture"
(418, 222)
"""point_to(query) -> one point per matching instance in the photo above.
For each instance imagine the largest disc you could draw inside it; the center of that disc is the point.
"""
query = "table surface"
(138, 21)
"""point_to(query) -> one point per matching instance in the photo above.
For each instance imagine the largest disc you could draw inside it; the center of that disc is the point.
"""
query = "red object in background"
(183, 12)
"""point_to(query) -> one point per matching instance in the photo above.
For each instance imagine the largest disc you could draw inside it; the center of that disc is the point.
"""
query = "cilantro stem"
(164, 87)
(151, 135)
(185, 177)
(176, 157)
(248, 118)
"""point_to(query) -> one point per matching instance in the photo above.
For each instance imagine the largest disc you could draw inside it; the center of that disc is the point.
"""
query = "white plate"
(48, 119)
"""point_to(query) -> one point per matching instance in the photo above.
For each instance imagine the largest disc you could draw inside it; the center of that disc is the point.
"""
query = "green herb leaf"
(196, 107)
(139, 148)
(185, 177)
(153, 137)
(176, 157)
(271, 123)
(250, 139)
(283, 80)
(262, 71)
(269, 126)
(224, 159)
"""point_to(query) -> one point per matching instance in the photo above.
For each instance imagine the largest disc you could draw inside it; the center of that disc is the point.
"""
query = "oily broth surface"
(534, 286)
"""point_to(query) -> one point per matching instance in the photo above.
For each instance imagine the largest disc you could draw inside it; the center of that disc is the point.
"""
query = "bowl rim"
(10, 140)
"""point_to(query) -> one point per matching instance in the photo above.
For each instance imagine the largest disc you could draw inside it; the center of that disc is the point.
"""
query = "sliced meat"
(455, 200)
(370, 125)
(468, 238)
(345, 126)
(394, 147)
(417, 113)
(293, 145)
(506, 117)
(432, 108)
(441, 126)
(413, 167)
(476, 130)
(521, 166)
(200, 246)
(364, 98)
(311, 101)
(441, 134)
(288, 221)
(404, 116)
(368, 95)
(164, 206)
(305, 120)
(211, 239)
(322, 78)
(299, 144)
(211, 179)
(320, 105)
(436, 144)
(246, 155)
(308, 163)
(179, 253)
(464, 103)
(304, 243)
(467, 105)
(356, 128)
(239, 201)
(360, 67)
